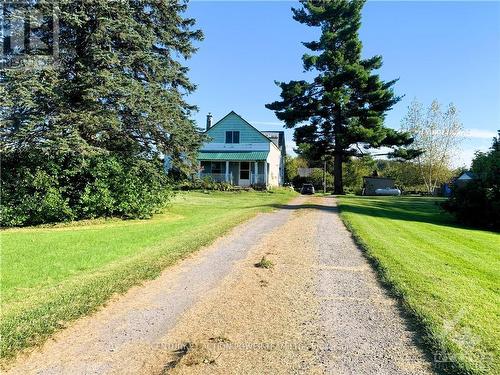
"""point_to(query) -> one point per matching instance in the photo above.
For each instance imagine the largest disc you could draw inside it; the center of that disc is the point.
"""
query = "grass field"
(448, 276)
(52, 275)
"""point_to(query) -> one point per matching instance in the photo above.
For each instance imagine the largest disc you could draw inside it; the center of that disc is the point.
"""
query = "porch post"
(265, 172)
(256, 167)
(199, 168)
(227, 171)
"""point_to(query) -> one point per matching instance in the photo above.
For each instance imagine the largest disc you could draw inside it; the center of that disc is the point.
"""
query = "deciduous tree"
(354, 171)
(292, 165)
(437, 134)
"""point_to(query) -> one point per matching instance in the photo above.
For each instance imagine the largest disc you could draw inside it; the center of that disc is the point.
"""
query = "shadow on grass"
(398, 208)
(440, 359)
(418, 209)
(421, 333)
(414, 209)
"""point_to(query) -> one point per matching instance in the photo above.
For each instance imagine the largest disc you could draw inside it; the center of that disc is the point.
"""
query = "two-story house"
(240, 154)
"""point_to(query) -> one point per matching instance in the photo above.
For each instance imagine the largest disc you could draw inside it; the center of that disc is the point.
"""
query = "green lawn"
(448, 276)
(52, 275)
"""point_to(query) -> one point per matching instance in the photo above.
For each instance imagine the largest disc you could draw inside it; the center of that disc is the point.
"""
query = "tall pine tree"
(343, 108)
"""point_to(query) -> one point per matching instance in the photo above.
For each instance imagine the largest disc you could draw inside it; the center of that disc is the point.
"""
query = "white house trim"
(224, 147)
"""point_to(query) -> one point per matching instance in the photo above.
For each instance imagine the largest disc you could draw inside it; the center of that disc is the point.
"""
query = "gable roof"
(280, 134)
(245, 121)
(467, 176)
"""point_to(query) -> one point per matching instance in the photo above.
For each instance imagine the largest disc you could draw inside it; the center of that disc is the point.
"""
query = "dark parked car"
(307, 189)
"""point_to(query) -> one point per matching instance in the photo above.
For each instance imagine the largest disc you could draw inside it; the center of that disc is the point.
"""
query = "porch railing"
(217, 177)
(257, 179)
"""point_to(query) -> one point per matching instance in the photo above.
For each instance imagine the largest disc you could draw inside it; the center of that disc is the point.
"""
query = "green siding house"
(240, 154)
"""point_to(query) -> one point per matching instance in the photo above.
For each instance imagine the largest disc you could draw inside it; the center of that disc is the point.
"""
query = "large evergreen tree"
(117, 85)
(116, 92)
(342, 110)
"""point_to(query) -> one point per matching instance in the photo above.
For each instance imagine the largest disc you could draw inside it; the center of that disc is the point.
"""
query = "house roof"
(467, 176)
(236, 155)
(246, 122)
(277, 136)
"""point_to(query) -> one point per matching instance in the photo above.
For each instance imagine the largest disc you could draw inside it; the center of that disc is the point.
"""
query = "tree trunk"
(338, 186)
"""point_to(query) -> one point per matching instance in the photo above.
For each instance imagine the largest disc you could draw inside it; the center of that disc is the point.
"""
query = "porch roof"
(236, 155)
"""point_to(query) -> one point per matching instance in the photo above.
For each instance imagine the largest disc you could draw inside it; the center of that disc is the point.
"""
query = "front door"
(244, 173)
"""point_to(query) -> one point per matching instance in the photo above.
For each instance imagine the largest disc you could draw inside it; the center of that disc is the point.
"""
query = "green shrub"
(31, 195)
(475, 205)
(46, 188)
(96, 200)
(478, 202)
(264, 263)
(206, 183)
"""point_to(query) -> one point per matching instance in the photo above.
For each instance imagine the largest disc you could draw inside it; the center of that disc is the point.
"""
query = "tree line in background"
(437, 135)
(83, 137)
(406, 175)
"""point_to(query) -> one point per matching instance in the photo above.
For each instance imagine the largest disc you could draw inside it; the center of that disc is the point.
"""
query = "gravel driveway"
(365, 332)
(318, 310)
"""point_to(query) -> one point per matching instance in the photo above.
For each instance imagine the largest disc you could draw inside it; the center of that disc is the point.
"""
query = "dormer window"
(232, 137)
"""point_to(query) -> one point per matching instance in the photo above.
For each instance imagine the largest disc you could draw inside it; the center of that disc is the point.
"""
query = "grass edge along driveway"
(53, 275)
(448, 276)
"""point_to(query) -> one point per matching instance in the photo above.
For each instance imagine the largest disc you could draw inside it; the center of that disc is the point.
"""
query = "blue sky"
(444, 50)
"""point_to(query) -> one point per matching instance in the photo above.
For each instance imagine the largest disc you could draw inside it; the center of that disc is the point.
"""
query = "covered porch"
(236, 168)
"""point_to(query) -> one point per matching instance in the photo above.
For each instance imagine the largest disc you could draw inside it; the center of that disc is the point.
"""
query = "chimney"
(209, 120)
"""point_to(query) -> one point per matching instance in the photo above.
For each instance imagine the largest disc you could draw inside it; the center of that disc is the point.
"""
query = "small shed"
(372, 183)
(464, 179)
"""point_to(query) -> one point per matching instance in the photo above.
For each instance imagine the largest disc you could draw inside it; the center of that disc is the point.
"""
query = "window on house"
(216, 167)
(244, 170)
(232, 137)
